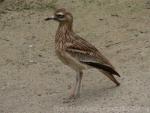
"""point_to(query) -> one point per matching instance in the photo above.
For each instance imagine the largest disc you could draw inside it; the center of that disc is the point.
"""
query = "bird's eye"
(60, 16)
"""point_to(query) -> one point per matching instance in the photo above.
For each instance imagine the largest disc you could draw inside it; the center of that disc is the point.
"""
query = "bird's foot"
(71, 98)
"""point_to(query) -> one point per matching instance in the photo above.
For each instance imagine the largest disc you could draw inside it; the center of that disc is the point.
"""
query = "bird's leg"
(76, 89)
(73, 93)
(80, 73)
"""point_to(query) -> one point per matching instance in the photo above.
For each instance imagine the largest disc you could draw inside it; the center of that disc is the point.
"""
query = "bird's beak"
(50, 18)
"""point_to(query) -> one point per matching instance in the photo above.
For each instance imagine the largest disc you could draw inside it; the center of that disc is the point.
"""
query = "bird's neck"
(64, 27)
(63, 31)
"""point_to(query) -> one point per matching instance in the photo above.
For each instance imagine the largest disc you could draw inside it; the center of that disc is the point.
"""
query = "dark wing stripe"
(101, 66)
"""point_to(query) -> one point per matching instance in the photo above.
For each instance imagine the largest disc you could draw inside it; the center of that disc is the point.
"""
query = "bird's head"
(62, 16)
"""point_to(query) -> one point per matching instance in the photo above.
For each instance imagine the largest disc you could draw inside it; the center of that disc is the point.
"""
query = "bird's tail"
(111, 77)
(106, 70)
(104, 67)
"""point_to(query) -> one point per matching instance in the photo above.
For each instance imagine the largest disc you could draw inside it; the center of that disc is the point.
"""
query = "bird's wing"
(86, 53)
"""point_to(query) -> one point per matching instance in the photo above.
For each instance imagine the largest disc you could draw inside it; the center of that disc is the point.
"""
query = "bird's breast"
(69, 60)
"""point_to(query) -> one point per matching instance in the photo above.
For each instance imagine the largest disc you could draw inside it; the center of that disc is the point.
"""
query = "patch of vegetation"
(51, 5)
(20, 5)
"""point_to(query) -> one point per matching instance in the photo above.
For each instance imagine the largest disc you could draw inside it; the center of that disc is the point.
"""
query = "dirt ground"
(33, 80)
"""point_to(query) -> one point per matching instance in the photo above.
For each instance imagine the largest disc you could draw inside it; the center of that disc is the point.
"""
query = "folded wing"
(87, 54)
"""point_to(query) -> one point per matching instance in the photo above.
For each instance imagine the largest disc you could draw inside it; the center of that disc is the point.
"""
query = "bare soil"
(33, 80)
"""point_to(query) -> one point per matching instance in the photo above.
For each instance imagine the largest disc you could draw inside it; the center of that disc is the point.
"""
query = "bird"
(77, 53)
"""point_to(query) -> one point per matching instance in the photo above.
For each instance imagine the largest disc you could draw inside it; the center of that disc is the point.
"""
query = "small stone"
(30, 46)
(31, 61)
(39, 95)
(115, 15)
(40, 55)
(101, 19)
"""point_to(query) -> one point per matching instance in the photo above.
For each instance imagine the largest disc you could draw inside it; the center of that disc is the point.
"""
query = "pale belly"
(70, 61)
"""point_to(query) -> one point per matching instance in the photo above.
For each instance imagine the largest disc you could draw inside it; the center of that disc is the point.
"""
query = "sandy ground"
(33, 80)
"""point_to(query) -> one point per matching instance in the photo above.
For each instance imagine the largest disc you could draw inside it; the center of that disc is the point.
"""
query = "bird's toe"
(69, 99)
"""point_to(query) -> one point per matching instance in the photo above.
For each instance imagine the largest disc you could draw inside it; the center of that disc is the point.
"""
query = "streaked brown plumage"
(76, 52)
